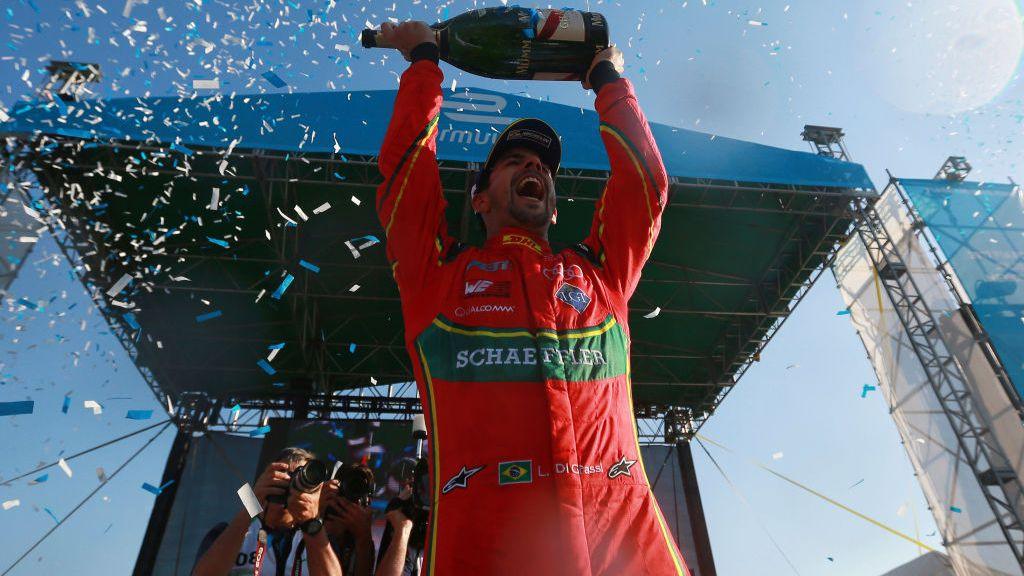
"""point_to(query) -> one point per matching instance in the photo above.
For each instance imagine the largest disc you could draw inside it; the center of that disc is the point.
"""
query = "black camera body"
(306, 478)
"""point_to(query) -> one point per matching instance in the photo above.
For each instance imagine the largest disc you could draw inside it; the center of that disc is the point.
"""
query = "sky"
(910, 83)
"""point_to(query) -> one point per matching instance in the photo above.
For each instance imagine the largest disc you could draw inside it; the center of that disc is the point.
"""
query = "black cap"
(530, 133)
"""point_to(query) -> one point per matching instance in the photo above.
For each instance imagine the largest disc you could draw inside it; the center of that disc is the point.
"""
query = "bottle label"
(560, 25)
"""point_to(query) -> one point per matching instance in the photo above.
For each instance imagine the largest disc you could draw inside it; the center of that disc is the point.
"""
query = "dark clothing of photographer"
(284, 549)
(413, 539)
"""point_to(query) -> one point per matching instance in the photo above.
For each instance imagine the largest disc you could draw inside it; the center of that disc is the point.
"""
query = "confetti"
(282, 287)
(156, 490)
(354, 288)
(356, 201)
(8, 504)
(777, 456)
(96, 408)
(209, 316)
(214, 199)
(298, 210)
(139, 414)
(867, 388)
(52, 515)
(249, 500)
(64, 466)
(101, 474)
(653, 313)
(219, 242)
(67, 404)
(274, 80)
(206, 84)
(955, 509)
(259, 431)
(40, 479)
(352, 348)
(266, 367)
(322, 208)
(355, 250)
(15, 408)
(842, 313)
(309, 266)
(119, 285)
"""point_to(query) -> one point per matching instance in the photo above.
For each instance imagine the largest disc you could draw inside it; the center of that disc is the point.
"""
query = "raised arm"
(627, 218)
(410, 203)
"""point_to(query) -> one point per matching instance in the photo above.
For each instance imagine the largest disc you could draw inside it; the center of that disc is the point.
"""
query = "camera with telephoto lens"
(355, 483)
(306, 478)
(416, 508)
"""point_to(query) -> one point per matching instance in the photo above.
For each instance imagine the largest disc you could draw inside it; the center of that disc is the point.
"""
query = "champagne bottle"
(518, 43)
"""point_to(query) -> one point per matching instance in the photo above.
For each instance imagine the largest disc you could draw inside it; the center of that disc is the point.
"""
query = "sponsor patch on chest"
(573, 296)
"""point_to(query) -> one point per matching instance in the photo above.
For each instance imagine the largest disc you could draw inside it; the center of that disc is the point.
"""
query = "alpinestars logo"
(460, 480)
(621, 468)
(478, 287)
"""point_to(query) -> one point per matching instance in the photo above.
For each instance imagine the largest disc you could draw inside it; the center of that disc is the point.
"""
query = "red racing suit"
(521, 358)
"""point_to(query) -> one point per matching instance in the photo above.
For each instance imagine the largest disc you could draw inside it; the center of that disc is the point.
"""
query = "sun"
(945, 57)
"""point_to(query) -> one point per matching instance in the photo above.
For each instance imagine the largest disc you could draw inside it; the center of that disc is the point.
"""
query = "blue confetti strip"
(183, 149)
(156, 490)
(132, 322)
(139, 414)
(309, 266)
(52, 515)
(842, 313)
(15, 408)
(259, 431)
(278, 346)
(208, 316)
(41, 479)
(219, 242)
(352, 348)
(867, 388)
(28, 304)
(274, 80)
(236, 408)
(266, 367)
(67, 404)
(284, 286)
(955, 509)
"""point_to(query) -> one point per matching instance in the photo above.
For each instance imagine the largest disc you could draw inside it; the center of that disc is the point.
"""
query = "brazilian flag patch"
(515, 472)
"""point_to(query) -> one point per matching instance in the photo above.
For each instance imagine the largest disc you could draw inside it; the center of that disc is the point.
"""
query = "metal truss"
(967, 312)
(826, 140)
(821, 224)
(955, 168)
(985, 457)
(15, 159)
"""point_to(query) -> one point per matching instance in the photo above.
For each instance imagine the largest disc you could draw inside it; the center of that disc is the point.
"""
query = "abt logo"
(478, 287)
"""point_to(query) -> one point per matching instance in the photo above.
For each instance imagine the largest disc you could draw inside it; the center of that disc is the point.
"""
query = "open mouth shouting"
(531, 184)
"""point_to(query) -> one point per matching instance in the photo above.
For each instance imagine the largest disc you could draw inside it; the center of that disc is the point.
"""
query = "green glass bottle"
(516, 43)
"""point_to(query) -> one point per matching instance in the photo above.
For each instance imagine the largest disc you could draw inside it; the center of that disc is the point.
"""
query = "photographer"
(295, 544)
(345, 502)
(405, 533)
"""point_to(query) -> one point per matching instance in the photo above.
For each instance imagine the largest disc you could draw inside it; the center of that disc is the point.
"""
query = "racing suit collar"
(513, 236)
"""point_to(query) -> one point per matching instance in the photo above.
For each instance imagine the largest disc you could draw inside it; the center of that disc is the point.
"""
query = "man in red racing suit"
(521, 355)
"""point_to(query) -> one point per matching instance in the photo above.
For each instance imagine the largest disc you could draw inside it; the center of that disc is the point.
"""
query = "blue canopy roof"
(354, 123)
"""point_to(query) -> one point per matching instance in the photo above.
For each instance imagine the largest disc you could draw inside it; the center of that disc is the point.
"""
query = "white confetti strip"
(354, 288)
(64, 466)
(249, 500)
(298, 210)
(8, 504)
(777, 456)
(322, 208)
(119, 285)
(206, 84)
(96, 408)
(653, 313)
(356, 201)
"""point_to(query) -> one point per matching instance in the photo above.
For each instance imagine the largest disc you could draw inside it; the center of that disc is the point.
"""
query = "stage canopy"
(210, 204)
